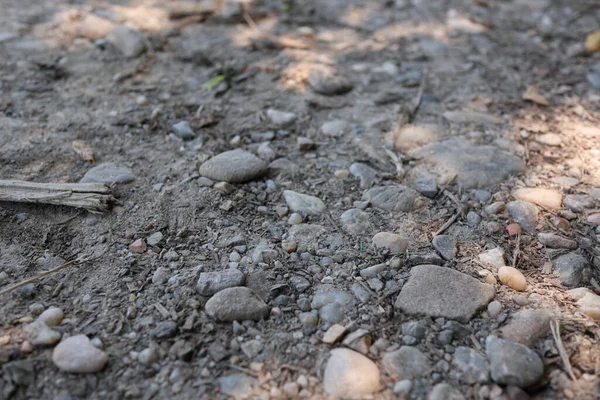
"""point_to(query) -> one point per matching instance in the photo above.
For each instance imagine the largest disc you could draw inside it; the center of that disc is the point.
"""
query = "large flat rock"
(443, 292)
(474, 165)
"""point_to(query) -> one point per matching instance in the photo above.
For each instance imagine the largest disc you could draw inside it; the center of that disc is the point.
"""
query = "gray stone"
(527, 326)
(423, 182)
(164, 330)
(238, 386)
(183, 130)
(472, 366)
(372, 271)
(394, 198)
(251, 348)
(471, 117)
(306, 236)
(428, 258)
(513, 363)
(155, 239)
(210, 283)
(361, 293)
(333, 306)
(303, 203)
(482, 196)
(160, 276)
(403, 387)
(445, 245)
(299, 283)
(495, 208)
(525, 213)
(443, 292)
(108, 173)
(473, 219)
(445, 337)
(328, 83)
(128, 41)
(556, 242)
(366, 174)
(475, 166)
(414, 329)
(406, 363)
(39, 334)
(237, 304)
(444, 391)
(356, 222)
(262, 136)
(234, 166)
(349, 374)
(578, 202)
(572, 268)
(281, 118)
(77, 355)
(335, 128)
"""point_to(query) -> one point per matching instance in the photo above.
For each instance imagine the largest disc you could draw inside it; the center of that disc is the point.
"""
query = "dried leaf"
(83, 150)
(592, 42)
(532, 95)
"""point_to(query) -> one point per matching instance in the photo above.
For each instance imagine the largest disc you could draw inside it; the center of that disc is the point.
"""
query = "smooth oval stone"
(234, 166)
(237, 304)
(77, 354)
(52, 316)
(349, 374)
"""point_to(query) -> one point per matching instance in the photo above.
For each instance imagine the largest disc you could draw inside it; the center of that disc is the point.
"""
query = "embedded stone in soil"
(475, 166)
(443, 292)
(234, 166)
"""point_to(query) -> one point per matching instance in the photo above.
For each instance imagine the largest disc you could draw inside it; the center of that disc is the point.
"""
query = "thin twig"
(516, 252)
(447, 224)
(412, 112)
(443, 189)
(77, 261)
(41, 275)
(555, 328)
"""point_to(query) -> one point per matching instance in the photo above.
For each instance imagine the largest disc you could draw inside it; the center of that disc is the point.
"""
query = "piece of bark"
(94, 197)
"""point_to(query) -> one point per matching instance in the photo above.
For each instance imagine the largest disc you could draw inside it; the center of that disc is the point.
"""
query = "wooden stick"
(94, 197)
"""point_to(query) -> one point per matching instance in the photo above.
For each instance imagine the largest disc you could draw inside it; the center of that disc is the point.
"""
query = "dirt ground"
(221, 70)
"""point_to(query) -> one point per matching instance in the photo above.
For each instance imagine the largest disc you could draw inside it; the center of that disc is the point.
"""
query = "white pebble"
(295, 219)
(52, 316)
(495, 308)
(77, 355)
(148, 356)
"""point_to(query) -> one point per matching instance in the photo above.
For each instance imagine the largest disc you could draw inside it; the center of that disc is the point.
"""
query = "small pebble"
(494, 308)
(52, 316)
(341, 173)
(148, 356)
(295, 219)
(520, 300)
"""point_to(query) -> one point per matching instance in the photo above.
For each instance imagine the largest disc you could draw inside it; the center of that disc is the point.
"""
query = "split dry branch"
(94, 197)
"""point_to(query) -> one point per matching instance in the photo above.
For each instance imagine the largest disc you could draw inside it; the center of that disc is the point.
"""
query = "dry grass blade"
(555, 328)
